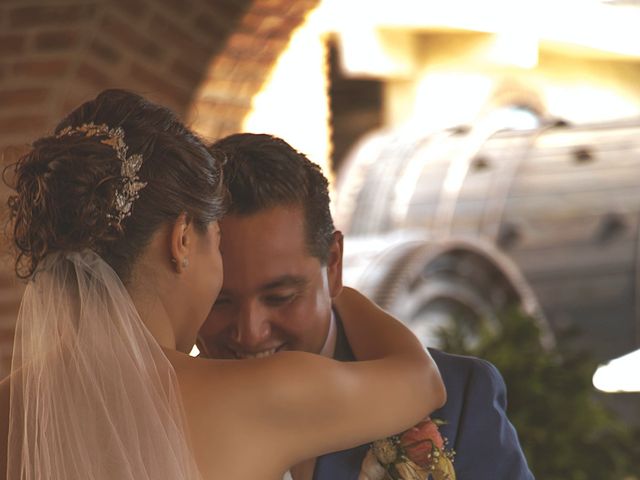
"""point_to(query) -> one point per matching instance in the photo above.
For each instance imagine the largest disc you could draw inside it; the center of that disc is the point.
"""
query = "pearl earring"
(185, 262)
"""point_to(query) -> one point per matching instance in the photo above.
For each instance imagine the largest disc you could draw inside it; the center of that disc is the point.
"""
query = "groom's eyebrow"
(286, 281)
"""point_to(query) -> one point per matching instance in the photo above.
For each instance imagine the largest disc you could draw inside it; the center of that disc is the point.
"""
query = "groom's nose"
(252, 326)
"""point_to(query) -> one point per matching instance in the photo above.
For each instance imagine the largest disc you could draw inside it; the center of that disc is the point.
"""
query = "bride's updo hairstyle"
(71, 190)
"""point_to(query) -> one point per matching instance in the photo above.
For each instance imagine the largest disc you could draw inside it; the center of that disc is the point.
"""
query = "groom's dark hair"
(263, 171)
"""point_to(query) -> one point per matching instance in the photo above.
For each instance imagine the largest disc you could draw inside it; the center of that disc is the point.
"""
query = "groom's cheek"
(305, 324)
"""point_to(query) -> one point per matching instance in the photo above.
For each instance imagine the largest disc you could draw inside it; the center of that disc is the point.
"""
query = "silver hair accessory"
(130, 165)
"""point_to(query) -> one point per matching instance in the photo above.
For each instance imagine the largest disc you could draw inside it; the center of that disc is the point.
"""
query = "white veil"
(92, 394)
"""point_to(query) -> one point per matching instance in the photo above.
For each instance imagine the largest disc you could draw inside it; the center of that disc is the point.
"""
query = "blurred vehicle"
(465, 222)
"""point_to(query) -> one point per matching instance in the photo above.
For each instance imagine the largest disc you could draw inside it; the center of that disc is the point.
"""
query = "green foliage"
(565, 432)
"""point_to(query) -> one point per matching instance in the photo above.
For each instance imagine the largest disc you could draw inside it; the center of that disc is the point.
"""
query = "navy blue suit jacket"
(485, 442)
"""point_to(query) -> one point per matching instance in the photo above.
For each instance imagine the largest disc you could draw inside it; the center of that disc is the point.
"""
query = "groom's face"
(275, 295)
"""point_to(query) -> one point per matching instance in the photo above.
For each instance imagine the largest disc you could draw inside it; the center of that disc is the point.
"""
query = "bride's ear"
(180, 238)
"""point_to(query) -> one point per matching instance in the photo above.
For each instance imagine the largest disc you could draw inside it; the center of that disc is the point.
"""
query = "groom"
(282, 267)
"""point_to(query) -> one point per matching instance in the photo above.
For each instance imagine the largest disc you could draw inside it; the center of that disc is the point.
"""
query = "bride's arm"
(300, 405)
(375, 336)
(373, 333)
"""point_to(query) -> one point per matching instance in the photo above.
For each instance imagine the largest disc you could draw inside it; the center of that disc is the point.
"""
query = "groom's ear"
(334, 264)
(180, 241)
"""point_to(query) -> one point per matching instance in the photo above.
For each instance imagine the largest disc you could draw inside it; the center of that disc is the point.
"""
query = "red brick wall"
(203, 58)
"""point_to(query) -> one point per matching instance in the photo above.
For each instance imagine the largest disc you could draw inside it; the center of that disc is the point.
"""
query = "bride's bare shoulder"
(222, 401)
(242, 375)
(205, 383)
(206, 379)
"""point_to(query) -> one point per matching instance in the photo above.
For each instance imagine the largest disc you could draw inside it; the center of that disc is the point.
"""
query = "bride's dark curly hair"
(65, 186)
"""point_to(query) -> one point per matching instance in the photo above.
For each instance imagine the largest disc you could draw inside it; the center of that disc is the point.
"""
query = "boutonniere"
(419, 453)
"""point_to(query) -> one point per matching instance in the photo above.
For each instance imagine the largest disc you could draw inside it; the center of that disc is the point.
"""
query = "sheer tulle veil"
(92, 394)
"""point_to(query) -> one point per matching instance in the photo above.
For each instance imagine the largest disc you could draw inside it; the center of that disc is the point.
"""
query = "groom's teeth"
(264, 353)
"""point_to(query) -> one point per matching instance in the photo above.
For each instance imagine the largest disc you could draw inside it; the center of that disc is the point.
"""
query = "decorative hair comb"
(130, 165)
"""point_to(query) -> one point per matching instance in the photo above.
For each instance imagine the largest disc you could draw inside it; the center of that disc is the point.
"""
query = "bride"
(115, 224)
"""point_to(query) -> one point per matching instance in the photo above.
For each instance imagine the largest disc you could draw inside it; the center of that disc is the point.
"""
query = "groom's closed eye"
(280, 299)
(283, 290)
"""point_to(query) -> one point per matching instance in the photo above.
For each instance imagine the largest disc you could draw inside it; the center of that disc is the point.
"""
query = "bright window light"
(620, 374)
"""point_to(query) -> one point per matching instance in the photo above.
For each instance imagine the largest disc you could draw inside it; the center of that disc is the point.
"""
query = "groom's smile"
(264, 353)
(275, 294)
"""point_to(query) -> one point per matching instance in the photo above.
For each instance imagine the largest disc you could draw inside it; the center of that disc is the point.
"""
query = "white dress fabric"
(93, 396)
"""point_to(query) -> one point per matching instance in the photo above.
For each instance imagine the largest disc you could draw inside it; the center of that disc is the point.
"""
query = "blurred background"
(484, 159)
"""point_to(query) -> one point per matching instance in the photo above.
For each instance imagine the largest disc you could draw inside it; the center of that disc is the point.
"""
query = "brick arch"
(203, 58)
(213, 53)
(238, 72)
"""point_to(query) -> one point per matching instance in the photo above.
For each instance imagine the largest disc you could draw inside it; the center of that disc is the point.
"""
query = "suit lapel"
(343, 350)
